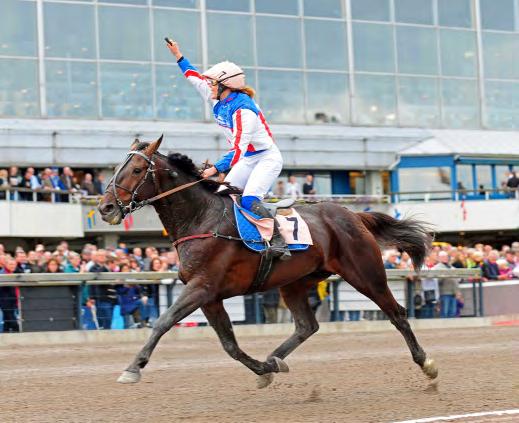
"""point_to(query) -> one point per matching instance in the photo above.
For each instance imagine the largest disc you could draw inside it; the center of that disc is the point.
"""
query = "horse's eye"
(137, 171)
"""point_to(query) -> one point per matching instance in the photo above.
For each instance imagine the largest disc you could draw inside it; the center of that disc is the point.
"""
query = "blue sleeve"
(224, 164)
(185, 65)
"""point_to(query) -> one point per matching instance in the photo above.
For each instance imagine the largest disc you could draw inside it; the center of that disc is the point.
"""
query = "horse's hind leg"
(366, 273)
(219, 320)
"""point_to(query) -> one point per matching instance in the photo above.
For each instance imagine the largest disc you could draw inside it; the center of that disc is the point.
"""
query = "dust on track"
(350, 377)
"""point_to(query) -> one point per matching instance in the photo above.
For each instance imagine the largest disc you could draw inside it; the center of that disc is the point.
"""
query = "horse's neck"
(188, 212)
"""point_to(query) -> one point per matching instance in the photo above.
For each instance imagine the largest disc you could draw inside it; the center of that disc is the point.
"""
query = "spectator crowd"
(138, 304)
(18, 182)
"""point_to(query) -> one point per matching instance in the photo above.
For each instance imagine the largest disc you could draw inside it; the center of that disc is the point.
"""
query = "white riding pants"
(256, 174)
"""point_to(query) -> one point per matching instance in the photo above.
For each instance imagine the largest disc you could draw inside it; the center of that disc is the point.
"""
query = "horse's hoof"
(129, 377)
(430, 369)
(282, 366)
(264, 380)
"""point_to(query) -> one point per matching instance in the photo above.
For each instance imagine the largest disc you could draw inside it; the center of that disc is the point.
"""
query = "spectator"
(53, 266)
(460, 303)
(22, 265)
(15, 180)
(391, 261)
(99, 183)
(308, 186)
(513, 181)
(505, 272)
(280, 189)
(67, 179)
(270, 305)
(33, 261)
(29, 181)
(150, 253)
(4, 183)
(46, 184)
(293, 190)
(105, 296)
(448, 288)
(9, 298)
(172, 260)
(137, 255)
(490, 267)
(87, 185)
(150, 299)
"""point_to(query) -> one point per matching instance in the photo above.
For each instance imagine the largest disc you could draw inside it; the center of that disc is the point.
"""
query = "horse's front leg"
(219, 320)
(193, 296)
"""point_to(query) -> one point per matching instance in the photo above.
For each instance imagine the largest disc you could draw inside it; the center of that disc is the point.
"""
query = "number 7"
(296, 226)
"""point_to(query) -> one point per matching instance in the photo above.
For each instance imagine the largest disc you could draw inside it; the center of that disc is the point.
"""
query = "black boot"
(278, 245)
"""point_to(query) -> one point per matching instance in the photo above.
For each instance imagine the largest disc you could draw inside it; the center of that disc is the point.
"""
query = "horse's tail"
(409, 235)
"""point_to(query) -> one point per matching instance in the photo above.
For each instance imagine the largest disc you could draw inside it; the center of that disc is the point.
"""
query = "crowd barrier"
(59, 301)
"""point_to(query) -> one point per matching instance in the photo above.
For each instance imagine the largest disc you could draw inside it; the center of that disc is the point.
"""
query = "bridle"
(133, 204)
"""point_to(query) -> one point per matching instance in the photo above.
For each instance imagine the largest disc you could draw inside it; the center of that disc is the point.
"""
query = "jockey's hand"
(209, 172)
(175, 49)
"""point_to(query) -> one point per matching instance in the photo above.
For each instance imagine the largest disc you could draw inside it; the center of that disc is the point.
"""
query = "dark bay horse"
(212, 269)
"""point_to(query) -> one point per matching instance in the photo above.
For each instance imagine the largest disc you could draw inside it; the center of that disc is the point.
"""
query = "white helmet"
(228, 74)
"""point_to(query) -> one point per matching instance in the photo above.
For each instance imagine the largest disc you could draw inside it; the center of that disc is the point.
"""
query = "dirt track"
(333, 378)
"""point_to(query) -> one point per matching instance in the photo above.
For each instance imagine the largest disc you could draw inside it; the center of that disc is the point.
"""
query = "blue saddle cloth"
(250, 234)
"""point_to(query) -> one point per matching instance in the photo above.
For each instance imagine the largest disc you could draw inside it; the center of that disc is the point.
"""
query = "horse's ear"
(134, 145)
(154, 146)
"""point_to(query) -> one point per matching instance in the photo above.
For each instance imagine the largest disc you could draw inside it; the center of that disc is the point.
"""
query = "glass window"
(183, 27)
(324, 8)
(285, 7)
(18, 28)
(460, 103)
(458, 52)
(141, 2)
(500, 55)
(191, 4)
(126, 91)
(278, 42)
(71, 88)
(497, 14)
(455, 13)
(230, 38)
(176, 98)
(19, 88)
(484, 178)
(424, 180)
(418, 102)
(414, 11)
(370, 10)
(373, 47)
(375, 102)
(327, 98)
(320, 33)
(465, 180)
(281, 96)
(63, 36)
(235, 5)
(502, 175)
(416, 50)
(124, 33)
(502, 105)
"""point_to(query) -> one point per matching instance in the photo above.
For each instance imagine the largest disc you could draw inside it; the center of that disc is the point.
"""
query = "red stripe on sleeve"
(237, 152)
(191, 72)
(264, 122)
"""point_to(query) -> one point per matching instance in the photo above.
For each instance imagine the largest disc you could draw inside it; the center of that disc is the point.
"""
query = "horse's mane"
(186, 165)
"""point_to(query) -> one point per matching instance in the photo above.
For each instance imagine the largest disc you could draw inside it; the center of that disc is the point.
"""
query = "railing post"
(169, 293)
(410, 297)
(257, 311)
(79, 305)
(475, 299)
(335, 289)
(480, 287)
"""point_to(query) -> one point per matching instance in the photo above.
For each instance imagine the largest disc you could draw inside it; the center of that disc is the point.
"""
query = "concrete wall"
(27, 219)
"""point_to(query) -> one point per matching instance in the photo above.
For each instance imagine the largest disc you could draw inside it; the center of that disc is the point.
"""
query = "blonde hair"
(251, 92)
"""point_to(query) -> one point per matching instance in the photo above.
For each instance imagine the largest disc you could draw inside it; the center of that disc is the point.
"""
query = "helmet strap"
(221, 89)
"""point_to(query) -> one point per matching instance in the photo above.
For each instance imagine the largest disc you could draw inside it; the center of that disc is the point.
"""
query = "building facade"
(346, 84)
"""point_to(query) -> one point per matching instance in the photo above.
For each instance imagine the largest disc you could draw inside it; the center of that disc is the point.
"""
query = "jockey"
(253, 161)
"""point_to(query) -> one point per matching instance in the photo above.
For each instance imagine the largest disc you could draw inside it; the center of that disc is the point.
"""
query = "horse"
(214, 268)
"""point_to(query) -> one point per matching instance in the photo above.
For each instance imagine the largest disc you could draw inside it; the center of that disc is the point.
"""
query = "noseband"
(136, 205)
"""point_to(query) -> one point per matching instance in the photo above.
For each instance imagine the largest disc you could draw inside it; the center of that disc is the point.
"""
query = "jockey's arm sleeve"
(244, 125)
(195, 78)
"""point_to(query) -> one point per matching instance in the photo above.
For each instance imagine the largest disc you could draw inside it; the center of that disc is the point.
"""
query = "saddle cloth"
(253, 229)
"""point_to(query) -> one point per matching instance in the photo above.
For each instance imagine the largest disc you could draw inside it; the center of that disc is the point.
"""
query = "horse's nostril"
(106, 208)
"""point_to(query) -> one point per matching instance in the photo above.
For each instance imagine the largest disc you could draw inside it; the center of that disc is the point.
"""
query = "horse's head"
(133, 181)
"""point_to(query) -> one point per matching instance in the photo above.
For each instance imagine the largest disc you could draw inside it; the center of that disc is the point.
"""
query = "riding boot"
(278, 245)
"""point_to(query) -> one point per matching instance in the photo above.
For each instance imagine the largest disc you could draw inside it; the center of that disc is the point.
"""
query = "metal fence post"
(257, 311)
(475, 299)
(410, 297)
(79, 305)
(480, 287)
(336, 312)
(169, 293)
